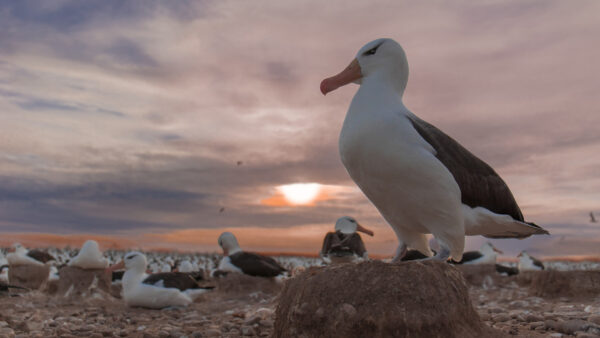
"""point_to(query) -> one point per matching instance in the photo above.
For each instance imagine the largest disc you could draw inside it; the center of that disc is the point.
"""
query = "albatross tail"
(481, 221)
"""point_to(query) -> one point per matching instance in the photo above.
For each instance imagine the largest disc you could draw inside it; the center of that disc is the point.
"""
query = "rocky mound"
(376, 299)
(28, 276)
(574, 284)
(78, 281)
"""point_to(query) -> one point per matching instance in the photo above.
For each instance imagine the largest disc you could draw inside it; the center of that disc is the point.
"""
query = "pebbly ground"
(505, 304)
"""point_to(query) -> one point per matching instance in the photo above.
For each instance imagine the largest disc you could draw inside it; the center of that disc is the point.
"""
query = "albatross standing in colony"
(236, 260)
(345, 245)
(421, 180)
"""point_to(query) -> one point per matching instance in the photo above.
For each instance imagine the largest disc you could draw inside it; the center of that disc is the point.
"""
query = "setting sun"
(300, 193)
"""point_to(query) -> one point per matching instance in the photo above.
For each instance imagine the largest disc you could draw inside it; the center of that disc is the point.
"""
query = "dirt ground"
(508, 304)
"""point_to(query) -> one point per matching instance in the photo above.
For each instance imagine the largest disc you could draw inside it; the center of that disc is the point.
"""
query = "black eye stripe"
(373, 50)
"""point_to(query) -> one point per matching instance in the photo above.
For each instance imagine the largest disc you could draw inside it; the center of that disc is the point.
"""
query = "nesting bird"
(345, 244)
(89, 257)
(529, 263)
(19, 255)
(155, 291)
(421, 180)
(485, 255)
(236, 260)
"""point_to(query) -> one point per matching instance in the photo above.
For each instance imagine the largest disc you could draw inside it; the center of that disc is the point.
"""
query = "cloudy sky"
(127, 120)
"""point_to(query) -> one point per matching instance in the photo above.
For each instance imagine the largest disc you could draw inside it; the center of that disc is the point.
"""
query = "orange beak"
(364, 230)
(351, 73)
(498, 251)
(115, 267)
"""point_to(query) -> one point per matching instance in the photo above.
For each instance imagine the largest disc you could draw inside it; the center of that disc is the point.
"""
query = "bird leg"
(441, 255)
(400, 252)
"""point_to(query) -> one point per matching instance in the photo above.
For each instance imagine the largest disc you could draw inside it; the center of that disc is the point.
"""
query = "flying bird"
(222, 210)
(421, 180)
(239, 163)
(592, 218)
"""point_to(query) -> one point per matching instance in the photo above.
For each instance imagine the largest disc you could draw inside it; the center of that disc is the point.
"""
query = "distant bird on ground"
(157, 290)
(236, 260)
(421, 180)
(19, 255)
(345, 244)
(592, 218)
(506, 270)
(528, 263)
(485, 255)
(89, 257)
(222, 210)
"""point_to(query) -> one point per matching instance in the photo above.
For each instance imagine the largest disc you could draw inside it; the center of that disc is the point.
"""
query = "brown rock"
(594, 319)
(28, 276)
(376, 299)
(239, 284)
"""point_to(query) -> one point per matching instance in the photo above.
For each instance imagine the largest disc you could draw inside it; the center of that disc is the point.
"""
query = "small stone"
(485, 316)
(572, 326)
(163, 334)
(253, 320)
(533, 318)
(495, 310)
(594, 319)
(3, 324)
(7, 332)
(247, 331)
(197, 334)
(348, 310)
(212, 333)
(503, 317)
(556, 335)
(581, 334)
(266, 323)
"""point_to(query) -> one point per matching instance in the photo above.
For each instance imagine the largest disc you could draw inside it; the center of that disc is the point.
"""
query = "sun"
(300, 193)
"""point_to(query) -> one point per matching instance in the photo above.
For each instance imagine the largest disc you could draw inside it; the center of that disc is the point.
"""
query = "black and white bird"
(236, 260)
(19, 255)
(345, 244)
(529, 263)
(421, 180)
(486, 255)
(154, 291)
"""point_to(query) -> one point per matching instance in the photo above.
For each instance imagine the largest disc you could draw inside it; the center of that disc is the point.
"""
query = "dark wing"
(479, 184)
(117, 275)
(469, 256)
(40, 256)
(256, 265)
(327, 243)
(3, 267)
(178, 280)
(412, 255)
(506, 269)
(537, 263)
(5, 287)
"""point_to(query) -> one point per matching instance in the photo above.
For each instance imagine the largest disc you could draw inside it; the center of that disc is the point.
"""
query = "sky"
(161, 124)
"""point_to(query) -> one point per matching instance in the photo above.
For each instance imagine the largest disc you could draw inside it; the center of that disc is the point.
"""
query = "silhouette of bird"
(240, 163)
(592, 218)
(222, 209)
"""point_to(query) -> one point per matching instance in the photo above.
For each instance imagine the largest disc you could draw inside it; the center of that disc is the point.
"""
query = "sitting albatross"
(236, 260)
(345, 244)
(421, 180)
(156, 291)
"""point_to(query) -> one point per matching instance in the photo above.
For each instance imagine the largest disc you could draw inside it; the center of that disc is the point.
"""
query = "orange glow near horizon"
(303, 194)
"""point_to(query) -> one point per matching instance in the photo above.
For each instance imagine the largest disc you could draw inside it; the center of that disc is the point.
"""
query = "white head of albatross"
(348, 225)
(229, 244)
(420, 179)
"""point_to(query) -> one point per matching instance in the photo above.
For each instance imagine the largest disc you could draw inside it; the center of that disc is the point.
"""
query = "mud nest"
(376, 299)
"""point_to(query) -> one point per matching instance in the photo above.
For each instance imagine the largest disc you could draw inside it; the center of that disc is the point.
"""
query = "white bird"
(155, 293)
(19, 255)
(89, 257)
(528, 263)
(485, 255)
(345, 244)
(421, 180)
(236, 260)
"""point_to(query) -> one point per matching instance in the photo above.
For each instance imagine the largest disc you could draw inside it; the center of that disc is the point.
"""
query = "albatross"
(420, 179)
(345, 244)
(249, 263)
